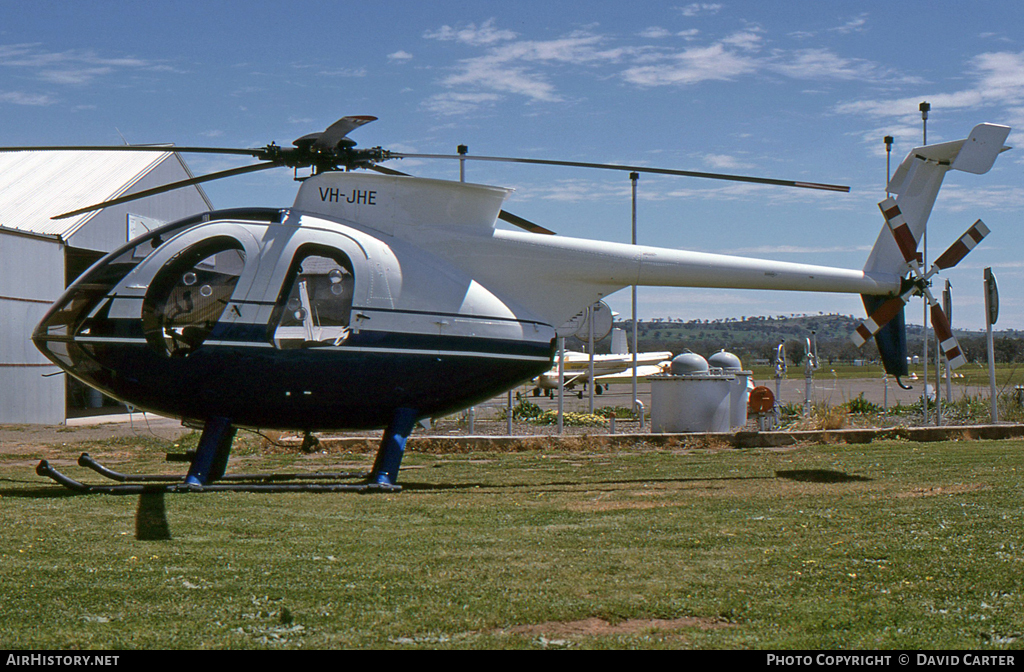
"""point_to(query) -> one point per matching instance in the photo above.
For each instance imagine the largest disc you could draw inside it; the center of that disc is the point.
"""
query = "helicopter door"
(315, 302)
(189, 294)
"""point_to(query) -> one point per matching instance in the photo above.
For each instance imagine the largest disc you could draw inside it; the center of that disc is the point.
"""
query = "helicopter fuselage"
(371, 294)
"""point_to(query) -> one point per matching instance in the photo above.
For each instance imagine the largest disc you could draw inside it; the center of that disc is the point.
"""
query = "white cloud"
(999, 80)
(400, 57)
(21, 98)
(725, 162)
(459, 103)
(344, 72)
(531, 69)
(697, 8)
(512, 66)
(823, 64)
(854, 25)
(484, 35)
(748, 40)
(74, 67)
(655, 33)
(697, 64)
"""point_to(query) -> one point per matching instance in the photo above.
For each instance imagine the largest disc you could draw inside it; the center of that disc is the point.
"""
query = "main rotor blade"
(514, 220)
(525, 224)
(636, 169)
(337, 131)
(138, 148)
(169, 187)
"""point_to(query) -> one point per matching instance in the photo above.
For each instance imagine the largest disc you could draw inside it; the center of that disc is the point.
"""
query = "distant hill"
(758, 337)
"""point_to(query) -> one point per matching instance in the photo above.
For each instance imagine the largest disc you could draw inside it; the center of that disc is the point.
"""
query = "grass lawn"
(879, 546)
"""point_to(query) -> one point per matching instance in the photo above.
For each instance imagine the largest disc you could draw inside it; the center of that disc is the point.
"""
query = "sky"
(791, 90)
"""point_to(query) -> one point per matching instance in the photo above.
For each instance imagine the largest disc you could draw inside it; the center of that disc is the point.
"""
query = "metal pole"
(633, 177)
(590, 363)
(888, 150)
(508, 417)
(462, 150)
(925, 107)
(947, 304)
(561, 380)
(989, 321)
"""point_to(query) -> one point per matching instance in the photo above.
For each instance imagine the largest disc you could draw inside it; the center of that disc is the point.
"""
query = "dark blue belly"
(355, 386)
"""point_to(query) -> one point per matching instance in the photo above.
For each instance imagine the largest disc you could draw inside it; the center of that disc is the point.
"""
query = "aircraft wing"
(627, 376)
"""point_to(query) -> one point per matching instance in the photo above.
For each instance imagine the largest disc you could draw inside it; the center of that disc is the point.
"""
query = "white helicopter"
(351, 308)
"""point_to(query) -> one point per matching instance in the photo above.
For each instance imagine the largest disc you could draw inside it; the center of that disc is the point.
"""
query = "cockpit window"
(316, 300)
(189, 294)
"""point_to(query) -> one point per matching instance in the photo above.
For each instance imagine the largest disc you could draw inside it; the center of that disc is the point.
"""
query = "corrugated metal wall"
(31, 278)
(32, 252)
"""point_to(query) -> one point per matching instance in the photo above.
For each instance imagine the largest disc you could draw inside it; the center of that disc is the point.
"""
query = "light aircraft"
(358, 305)
(608, 369)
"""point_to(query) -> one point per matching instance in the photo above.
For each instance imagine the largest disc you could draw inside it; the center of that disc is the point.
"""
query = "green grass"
(879, 546)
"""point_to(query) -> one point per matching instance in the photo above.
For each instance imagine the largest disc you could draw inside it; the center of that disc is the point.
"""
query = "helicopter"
(355, 307)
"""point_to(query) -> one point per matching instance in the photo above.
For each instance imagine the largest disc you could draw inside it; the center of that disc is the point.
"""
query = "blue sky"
(792, 90)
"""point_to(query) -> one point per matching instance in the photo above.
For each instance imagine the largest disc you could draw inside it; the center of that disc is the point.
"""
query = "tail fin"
(915, 185)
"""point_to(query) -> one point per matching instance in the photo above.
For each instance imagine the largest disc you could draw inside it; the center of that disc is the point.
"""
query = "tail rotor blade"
(958, 250)
(948, 343)
(900, 229)
(878, 319)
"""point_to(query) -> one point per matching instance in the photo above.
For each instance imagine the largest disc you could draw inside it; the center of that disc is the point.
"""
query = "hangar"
(41, 256)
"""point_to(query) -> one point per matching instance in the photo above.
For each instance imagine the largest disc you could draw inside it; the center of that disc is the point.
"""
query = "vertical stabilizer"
(914, 187)
(917, 181)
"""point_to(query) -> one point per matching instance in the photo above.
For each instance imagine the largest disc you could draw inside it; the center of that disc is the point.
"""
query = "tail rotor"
(919, 282)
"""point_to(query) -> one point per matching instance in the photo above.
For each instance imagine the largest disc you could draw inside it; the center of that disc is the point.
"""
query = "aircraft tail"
(914, 187)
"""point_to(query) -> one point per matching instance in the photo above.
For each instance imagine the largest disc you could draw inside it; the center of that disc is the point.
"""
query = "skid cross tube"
(87, 461)
(130, 487)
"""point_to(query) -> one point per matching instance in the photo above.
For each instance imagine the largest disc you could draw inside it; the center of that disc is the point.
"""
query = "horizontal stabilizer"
(981, 148)
(974, 154)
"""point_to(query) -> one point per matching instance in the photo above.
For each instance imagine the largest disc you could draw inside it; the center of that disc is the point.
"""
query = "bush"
(618, 412)
(569, 419)
(862, 406)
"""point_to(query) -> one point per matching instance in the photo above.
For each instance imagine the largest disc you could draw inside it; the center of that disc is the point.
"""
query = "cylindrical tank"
(689, 363)
(697, 403)
(740, 390)
(725, 361)
(692, 398)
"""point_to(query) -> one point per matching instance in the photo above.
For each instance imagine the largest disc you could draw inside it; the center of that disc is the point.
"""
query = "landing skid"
(128, 484)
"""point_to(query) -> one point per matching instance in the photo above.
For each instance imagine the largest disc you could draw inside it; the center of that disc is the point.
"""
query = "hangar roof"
(36, 185)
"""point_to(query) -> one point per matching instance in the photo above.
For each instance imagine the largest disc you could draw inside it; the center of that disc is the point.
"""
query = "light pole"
(888, 152)
(925, 107)
(637, 406)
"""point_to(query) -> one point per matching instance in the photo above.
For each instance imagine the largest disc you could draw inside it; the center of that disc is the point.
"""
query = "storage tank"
(740, 391)
(693, 398)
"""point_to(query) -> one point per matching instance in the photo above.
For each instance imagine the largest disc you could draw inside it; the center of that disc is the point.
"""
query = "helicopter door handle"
(361, 316)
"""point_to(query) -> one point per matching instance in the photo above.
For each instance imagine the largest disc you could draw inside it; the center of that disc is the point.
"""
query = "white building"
(41, 256)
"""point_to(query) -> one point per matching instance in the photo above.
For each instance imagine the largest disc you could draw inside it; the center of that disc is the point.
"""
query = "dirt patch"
(958, 489)
(598, 627)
